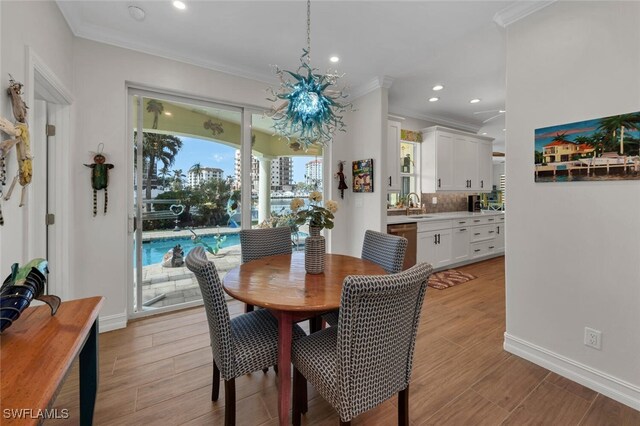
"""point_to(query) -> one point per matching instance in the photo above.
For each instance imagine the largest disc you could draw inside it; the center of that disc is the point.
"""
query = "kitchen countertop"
(427, 217)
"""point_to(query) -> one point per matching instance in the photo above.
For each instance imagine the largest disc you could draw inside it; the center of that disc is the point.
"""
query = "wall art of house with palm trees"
(599, 149)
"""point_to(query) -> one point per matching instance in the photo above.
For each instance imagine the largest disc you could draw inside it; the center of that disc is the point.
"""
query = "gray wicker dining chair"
(263, 242)
(383, 249)
(368, 357)
(242, 345)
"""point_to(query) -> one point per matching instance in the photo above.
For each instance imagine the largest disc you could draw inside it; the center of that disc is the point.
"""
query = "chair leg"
(215, 387)
(230, 402)
(248, 308)
(345, 423)
(299, 397)
(403, 407)
(315, 324)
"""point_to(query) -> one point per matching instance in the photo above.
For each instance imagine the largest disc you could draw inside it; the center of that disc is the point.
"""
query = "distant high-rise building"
(281, 173)
(313, 173)
(205, 174)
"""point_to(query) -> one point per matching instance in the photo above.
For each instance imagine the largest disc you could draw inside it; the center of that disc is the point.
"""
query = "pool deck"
(179, 285)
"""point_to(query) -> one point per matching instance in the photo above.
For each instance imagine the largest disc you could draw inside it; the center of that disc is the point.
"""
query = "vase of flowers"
(318, 217)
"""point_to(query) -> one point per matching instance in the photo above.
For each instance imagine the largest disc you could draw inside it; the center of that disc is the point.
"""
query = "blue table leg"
(89, 376)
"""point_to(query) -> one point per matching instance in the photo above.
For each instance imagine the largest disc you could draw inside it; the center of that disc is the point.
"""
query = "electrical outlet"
(593, 338)
(434, 200)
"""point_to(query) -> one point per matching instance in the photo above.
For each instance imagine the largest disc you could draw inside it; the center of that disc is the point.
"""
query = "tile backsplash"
(452, 202)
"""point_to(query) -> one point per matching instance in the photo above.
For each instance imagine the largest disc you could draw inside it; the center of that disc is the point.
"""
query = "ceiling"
(416, 44)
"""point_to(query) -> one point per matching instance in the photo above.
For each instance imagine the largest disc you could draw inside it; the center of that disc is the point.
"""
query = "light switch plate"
(434, 200)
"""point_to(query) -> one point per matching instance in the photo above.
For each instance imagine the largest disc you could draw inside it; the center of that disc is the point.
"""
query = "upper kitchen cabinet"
(453, 160)
(393, 156)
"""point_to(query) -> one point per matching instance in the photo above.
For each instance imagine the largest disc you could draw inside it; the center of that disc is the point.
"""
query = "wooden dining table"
(281, 285)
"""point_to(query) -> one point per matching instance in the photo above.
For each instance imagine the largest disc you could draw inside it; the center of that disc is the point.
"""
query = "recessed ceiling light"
(502, 111)
(179, 5)
(474, 101)
(168, 113)
(504, 130)
(438, 87)
(137, 13)
(484, 133)
(434, 99)
(334, 59)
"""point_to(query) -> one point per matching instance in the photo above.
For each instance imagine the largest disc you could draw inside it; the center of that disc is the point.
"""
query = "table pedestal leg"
(285, 330)
(89, 376)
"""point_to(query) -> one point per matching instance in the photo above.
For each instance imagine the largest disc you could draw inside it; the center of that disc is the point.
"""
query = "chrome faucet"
(418, 205)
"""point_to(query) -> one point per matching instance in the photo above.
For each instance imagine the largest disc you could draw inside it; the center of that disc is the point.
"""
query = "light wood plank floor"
(158, 371)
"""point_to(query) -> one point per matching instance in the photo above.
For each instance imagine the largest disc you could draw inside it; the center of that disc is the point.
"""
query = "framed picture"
(363, 175)
(600, 149)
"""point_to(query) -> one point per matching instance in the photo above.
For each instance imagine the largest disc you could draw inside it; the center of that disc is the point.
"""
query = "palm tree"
(197, 170)
(164, 172)
(177, 179)
(610, 126)
(157, 147)
(156, 108)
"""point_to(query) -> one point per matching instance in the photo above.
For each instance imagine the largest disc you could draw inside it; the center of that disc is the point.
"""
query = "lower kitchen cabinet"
(500, 237)
(460, 244)
(434, 247)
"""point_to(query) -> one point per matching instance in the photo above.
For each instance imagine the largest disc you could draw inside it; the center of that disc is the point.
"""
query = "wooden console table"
(36, 353)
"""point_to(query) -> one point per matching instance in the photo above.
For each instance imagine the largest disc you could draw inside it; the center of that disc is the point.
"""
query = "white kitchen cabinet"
(499, 241)
(453, 160)
(434, 247)
(484, 182)
(436, 173)
(393, 181)
(460, 244)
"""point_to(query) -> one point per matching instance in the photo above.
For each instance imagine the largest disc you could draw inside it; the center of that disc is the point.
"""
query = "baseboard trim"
(623, 392)
(112, 322)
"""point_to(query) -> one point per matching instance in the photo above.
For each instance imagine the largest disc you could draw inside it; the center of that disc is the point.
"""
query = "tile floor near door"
(157, 371)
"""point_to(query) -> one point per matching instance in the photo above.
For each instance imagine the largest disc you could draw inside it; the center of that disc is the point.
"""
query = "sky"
(211, 154)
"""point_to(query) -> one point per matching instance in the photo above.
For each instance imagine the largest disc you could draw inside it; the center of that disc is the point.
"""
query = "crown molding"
(375, 83)
(436, 119)
(98, 34)
(519, 10)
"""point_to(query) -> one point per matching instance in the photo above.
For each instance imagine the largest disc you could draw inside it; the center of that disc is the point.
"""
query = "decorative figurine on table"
(342, 185)
(21, 287)
(19, 133)
(100, 178)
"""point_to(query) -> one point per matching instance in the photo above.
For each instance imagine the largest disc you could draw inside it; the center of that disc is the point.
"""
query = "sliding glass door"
(187, 192)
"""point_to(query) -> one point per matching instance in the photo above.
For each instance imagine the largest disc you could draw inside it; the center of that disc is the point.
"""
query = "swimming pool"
(154, 250)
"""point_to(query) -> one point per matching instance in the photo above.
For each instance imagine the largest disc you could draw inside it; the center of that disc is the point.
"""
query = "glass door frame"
(135, 198)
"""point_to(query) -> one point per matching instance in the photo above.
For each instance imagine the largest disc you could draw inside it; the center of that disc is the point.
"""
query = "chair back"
(263, 242)
(377, 328)
(384, 249)
(215, 306)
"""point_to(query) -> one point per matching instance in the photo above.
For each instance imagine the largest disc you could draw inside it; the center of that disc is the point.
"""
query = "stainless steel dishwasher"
(410, 232)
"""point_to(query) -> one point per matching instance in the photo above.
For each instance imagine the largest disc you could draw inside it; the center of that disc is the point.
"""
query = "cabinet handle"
(498, 230)
(438, 238)
(477, 233)
(477, 220)
(389, 180)
(476, 250)
(481, 184)
(439, 182)
(491, 232)
(462, 223)
(435, 238)
(490, 220)
(469, 183)
(491, 247)
(463, 229)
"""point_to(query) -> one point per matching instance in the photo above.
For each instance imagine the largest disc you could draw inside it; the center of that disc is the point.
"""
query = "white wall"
(573, 249)
(41, 26)
(365, 138)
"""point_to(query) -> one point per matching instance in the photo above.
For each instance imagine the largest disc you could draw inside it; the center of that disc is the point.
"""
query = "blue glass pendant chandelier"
(309, 109)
